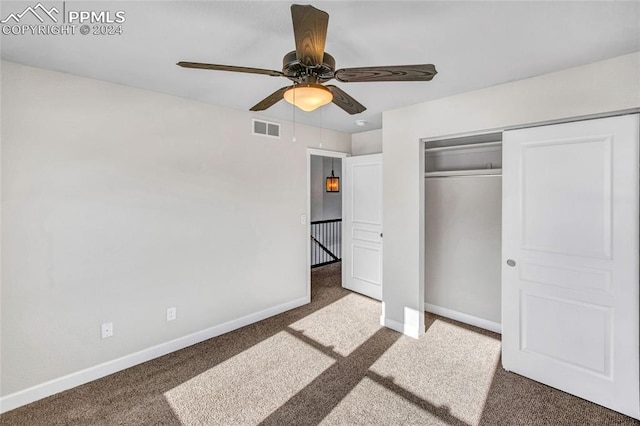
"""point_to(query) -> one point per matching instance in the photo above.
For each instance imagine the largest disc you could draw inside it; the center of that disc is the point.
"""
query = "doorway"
(324, 210)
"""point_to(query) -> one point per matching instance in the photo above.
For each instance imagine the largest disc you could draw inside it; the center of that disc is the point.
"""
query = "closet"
(463, 203)
(534, 232)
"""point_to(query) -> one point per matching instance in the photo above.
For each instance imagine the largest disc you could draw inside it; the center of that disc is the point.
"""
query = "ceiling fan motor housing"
(299, 73)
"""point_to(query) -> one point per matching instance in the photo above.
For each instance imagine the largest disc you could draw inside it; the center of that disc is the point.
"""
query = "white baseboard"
(465, 318)
(410, 330)
(78, 378)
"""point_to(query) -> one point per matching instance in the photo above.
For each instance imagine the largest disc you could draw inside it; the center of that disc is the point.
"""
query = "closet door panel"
(570, 258)
(582, 222)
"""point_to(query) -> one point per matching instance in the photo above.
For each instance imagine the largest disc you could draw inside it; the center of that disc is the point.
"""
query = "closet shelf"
(451, 173)
(464, 146)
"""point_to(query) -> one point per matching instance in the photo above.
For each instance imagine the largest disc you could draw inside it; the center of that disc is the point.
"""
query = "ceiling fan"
(309, 66)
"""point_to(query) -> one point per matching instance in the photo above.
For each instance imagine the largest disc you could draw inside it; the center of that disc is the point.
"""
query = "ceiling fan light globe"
(308, 97)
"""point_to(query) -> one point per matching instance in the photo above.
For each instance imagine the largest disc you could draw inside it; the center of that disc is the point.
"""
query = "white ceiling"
(473, 45)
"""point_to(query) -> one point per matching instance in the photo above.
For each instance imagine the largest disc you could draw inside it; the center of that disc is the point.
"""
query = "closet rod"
(464, 173)
(460, 176)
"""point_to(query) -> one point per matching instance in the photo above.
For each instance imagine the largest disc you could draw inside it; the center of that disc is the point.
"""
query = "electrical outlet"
(107, 330)
(171, 314)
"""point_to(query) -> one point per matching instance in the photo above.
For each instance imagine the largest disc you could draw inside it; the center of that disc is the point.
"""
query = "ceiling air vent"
(266, 128)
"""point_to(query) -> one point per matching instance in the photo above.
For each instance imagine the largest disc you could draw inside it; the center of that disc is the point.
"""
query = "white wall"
(610, 85)
(364, 143)
(118, 203)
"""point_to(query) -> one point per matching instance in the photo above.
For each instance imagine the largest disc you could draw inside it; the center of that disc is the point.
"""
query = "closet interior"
(463, 216)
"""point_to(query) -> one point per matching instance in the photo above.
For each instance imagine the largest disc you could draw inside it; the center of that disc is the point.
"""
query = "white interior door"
(570, 258)
(362, 221)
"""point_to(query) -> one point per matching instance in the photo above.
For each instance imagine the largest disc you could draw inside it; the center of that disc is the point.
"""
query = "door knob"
(511, 262)
(381, 235)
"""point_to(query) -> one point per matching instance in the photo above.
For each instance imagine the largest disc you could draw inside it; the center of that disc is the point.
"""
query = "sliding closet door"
(570, 258)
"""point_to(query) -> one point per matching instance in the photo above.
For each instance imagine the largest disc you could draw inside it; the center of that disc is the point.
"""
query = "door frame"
(319, 153)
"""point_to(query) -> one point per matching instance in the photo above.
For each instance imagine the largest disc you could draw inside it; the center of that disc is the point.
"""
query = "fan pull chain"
(321, 126)
(294, 116)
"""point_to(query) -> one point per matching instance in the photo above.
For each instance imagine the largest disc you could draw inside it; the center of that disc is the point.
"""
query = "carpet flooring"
(329, 362)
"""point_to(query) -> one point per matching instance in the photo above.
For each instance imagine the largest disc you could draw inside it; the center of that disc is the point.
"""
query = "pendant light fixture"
(333, 182)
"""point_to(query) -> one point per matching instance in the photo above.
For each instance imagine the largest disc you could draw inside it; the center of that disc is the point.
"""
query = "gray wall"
(325, 205)
(463, 245)
(118, 203)
(332, 201)
(317, 187)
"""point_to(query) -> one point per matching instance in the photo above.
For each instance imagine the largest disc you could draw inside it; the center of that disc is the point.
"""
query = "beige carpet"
(329, 363)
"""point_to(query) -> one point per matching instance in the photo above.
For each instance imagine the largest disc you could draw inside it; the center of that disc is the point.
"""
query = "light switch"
(303, 219)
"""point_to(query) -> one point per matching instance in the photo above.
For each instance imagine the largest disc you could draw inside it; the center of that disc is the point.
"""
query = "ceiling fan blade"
(421, 72)
(217, 67)
(270, 100)
(344, 101)
(310, 31)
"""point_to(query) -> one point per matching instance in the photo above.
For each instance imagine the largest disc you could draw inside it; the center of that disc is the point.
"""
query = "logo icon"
(38, 11)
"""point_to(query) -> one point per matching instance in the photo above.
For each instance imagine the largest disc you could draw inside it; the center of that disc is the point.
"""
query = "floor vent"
(266, 128)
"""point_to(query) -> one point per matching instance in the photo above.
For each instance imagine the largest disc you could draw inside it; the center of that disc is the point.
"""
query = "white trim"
(327, 153)
(43, 390)
(410, 330)
(465, 318)
(534, 124)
